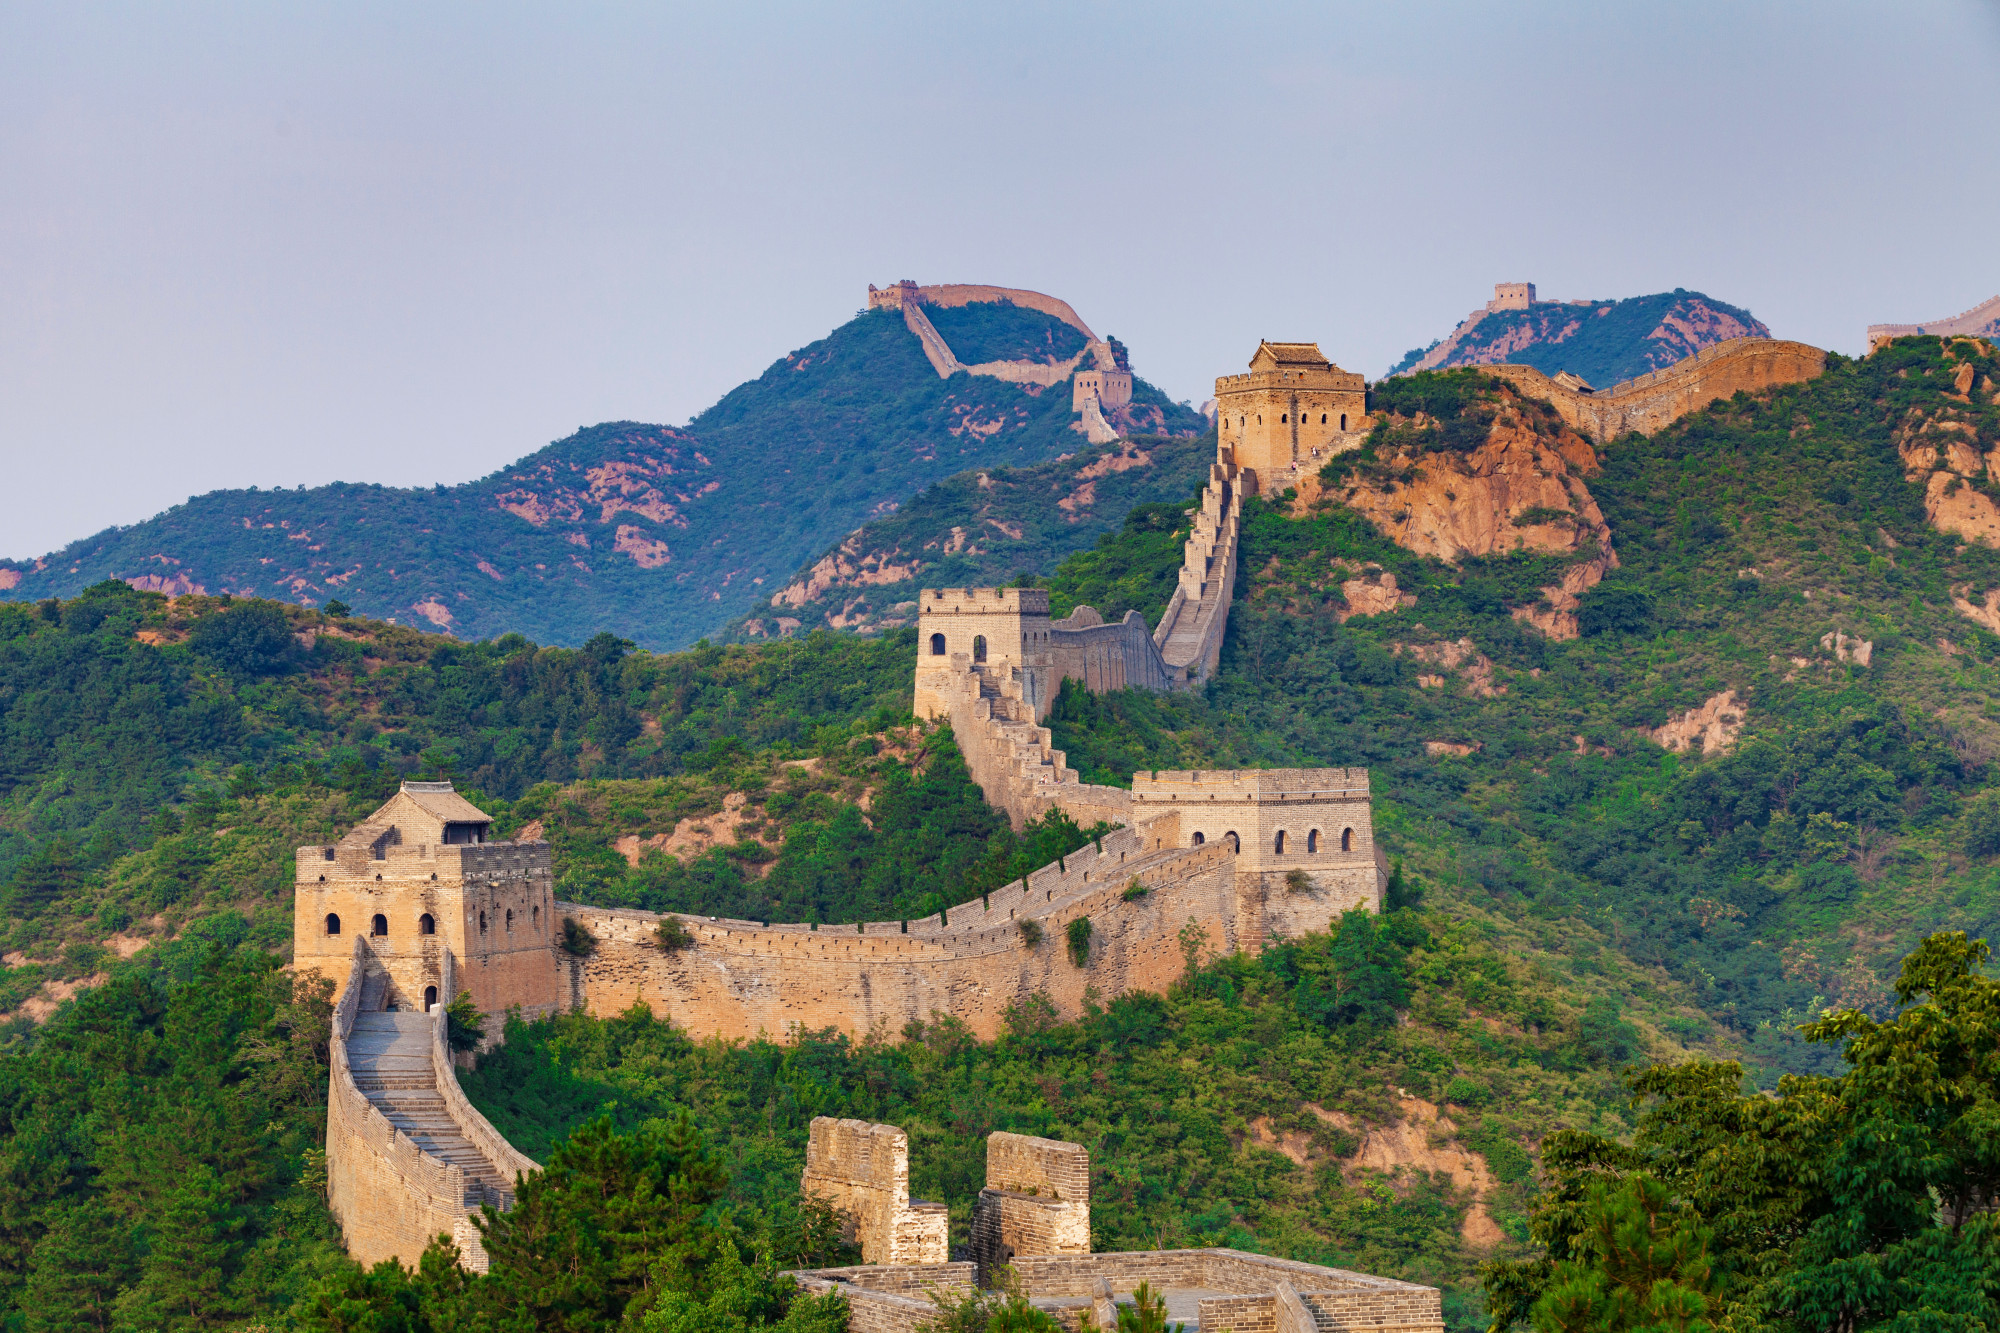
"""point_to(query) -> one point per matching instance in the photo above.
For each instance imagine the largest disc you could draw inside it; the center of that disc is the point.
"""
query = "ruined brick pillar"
(1036, 1201)
(863, 1170)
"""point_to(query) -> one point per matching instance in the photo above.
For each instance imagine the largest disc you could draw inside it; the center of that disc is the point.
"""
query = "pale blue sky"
(276, 245)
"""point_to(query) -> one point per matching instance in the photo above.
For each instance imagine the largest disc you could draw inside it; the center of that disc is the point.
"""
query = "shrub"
(1465, 1091)
(1135, 891)
(672, 935)
(464, 1025)
(1981, 825)
(577, 939)
(1079, 941)
(248, 639)
(1298, 881)
(1031, 932)
(1614, 609)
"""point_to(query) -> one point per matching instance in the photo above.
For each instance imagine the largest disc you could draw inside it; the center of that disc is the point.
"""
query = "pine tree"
(185, 1281)
(78, 1269)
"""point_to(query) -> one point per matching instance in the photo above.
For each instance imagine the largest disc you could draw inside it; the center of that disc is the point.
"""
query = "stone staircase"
(390, 1057)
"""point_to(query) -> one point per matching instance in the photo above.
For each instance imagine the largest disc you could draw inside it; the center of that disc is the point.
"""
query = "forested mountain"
(1756, 777)
(1601, 342)
(659, 534)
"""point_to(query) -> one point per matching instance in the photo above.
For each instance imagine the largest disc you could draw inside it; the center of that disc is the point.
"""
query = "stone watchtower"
(421, 876)
(1002, 633)
(1292, 411)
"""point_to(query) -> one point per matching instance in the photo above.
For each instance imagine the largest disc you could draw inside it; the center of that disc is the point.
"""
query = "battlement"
(984, 601)
(1250, 784)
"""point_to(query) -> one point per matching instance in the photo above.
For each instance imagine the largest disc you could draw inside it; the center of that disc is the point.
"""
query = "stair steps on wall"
(390, 1057)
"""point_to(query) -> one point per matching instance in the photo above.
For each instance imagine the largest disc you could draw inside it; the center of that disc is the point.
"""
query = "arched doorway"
(430, 998)
(426, 925)
(332, 924)
(937, 645)
(1198, 840)
(979, 647)
(380, 925)
(1235, 843)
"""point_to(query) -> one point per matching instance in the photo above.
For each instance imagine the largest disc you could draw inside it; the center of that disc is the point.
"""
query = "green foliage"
(1026, 521)
(672, 935)
(982, 331)
(1860, 1201)
(464, 1025)
(576, 939)
(1614, 608)
(1077, 940)
(1134, 891)
(1002, 1309)
(249, 639)
(1030, 930)
(1640, 1267)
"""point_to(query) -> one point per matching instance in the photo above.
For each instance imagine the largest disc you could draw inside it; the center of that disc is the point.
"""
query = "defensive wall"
(1982, 321)
(1034, 1217)
(1654, 401)
(389, 1193)
(863, 1172)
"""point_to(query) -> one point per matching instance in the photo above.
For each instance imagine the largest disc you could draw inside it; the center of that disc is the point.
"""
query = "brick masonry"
(863, 1171)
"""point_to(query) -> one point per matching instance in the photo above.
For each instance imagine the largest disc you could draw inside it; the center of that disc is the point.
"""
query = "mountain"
(656, 533)
(1729, 784)
(979, 529)
(1600, 342)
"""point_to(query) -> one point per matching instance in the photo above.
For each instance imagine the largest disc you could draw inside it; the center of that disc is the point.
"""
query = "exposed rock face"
(1941, 453)
(1986, 612)
(1372, 594)
(1714, 726)
(1521, 489)
(1451, 656)
(1857, 651)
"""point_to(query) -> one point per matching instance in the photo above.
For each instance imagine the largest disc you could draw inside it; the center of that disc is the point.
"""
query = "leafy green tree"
(249, 639)
(184, 1282)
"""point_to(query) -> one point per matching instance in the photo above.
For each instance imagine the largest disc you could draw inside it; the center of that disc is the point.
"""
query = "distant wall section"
(1652, 402)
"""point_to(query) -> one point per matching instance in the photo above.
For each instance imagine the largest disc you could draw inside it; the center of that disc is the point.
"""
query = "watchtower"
(420, 876)
(1512, 296)
(996, 630)
(1312, 820)
(1293, 407)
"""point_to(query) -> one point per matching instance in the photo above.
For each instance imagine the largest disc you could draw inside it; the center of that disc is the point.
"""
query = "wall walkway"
(1651, 403)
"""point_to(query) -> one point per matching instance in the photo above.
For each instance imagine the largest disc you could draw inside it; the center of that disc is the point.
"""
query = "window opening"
(1312, 841)
(1198, 839)
(937, 645)
(1278, 845)
(332, 924)
(430, 998)
(380, 926)
(979, 647)
(1347, 840)
(426, 925)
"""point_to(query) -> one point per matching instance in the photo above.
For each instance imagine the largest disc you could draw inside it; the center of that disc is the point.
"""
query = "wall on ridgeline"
(1653, 402)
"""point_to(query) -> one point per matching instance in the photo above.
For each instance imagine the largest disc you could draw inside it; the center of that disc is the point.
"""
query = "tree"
(185, 1281)
(79, 1267)
(1644, 1267)
(247, 639)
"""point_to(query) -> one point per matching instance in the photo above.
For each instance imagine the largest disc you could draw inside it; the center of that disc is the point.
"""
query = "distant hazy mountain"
(1603, 342)
(661, 535)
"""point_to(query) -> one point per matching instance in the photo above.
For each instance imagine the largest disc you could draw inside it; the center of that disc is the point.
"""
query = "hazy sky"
(289, 244)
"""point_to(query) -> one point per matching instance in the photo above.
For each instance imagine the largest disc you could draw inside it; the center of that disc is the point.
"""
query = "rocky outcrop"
(1373, 593)
(1520, 489)
(1941, 452)
(1714, 726)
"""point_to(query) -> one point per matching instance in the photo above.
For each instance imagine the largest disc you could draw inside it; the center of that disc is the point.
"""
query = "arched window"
(1283, 417)
(1199, 839)
(380, 926)
(979, 647)
(1322, 418)
(510, 921)
(1235, 843)
(332, 924)
(1312, 842)
(1347, 840)
(430, 998)
(1278, 843)
(937, 645)
(426, 926)
(482, 923)
(1343, 421)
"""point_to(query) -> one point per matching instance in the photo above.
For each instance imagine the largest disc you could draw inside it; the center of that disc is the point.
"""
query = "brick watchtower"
(999, 632)
(419, 876)
(1294, 407)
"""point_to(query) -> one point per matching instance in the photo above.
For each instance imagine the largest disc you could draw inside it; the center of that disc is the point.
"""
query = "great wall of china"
(417, 904)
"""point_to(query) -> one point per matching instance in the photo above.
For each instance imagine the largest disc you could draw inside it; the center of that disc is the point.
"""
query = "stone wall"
(389, 1196)
(1652, 402)
(741, 978)
(888, 1299)
(1036, 1201)
(1338, 1299)
(1191, 629)
(1102, 656)
(1982, 321)
(863, 1171)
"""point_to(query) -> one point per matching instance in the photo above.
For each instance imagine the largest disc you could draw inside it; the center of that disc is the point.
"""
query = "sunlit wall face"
(291, 245)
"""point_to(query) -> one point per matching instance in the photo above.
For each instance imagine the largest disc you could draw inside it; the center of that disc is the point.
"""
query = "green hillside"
(658, 534)
(978, 529)
(1572, 899)
(1601, 341)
